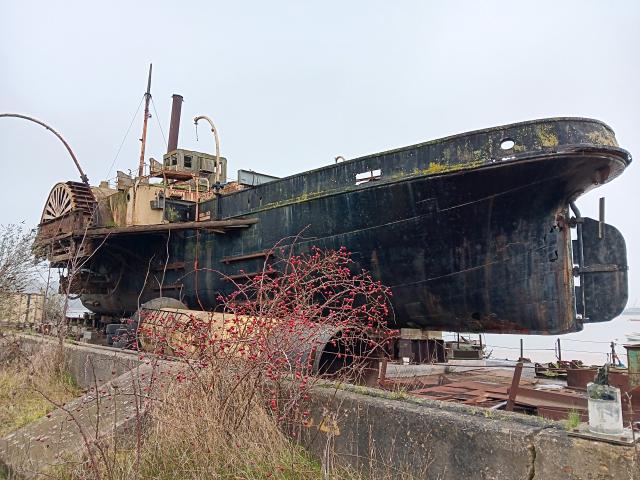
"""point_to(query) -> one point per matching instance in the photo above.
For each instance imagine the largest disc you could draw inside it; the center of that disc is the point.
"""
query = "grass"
(22, 378)
(188, 435)
(573, 420)
(399, 394)
(296, 464)
(216, 428)
(293, 464)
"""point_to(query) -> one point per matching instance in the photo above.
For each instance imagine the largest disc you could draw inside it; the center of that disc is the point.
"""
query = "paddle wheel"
(68, 212)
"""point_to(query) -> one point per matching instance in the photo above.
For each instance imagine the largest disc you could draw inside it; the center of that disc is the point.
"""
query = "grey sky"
(291, 85)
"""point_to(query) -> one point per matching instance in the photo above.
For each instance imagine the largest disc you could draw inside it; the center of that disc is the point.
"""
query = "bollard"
(521, 349)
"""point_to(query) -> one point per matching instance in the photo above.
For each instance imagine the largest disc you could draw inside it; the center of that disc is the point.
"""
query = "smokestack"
(174, 128)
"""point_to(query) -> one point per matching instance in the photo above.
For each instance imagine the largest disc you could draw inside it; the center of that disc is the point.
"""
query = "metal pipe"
(147, 99)
(601, 218)
(576, 212)
(559, 351)
(217, 140)
(174, 127)
(320, 349)
(521, 349)
(83, 177)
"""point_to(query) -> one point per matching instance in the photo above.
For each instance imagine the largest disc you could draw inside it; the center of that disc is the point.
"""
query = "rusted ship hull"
(469, 236)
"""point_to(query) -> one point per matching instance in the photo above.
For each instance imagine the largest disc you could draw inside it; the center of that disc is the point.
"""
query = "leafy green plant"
(573, 420)
(399, 394)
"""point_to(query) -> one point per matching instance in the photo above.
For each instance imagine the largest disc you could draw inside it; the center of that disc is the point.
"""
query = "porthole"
(507, 144)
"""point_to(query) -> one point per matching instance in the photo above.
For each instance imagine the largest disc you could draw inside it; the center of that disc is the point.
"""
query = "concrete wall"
(386, 437)
(88, 363)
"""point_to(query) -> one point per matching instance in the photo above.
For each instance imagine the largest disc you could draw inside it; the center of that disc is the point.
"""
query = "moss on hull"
(547, 136)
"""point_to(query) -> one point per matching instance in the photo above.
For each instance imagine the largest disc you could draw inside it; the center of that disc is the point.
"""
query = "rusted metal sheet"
(633, 359)
(603, 271)
(551, 401)
(70, 207)
(478, 394)
(466, 387)
(554, 405)
(536, 397)
(579, 377)
(562, 413)
(513, 389)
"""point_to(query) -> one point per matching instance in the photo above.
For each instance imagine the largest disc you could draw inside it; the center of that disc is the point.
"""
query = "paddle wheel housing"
(69, 209)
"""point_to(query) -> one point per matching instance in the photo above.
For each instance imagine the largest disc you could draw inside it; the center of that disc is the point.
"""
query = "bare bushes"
(9, 349)
(17, 270)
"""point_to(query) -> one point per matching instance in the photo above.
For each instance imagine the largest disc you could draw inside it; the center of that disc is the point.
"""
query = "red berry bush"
(303, 318)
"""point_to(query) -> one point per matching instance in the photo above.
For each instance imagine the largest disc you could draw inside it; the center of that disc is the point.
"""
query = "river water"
(592, 345)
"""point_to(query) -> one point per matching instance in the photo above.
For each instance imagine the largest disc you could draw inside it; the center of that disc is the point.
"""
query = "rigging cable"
(153, 104)
(125, 137)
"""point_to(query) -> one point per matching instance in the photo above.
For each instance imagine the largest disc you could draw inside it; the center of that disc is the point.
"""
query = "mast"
(147, 99)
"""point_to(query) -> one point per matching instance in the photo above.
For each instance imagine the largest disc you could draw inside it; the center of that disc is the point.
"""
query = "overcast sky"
(290, 85)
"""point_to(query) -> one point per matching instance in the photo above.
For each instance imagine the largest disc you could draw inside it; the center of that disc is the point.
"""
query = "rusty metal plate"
(604, 273)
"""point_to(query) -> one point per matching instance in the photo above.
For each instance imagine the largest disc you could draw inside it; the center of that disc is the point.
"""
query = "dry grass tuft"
(213, 427)
(22, 378)
(219, 428)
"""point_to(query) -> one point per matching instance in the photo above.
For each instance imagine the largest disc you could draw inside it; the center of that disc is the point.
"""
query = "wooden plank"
(513, 390)
(219, 225)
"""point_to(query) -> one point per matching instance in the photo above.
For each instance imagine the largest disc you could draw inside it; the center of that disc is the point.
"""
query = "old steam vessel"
(472, 232)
